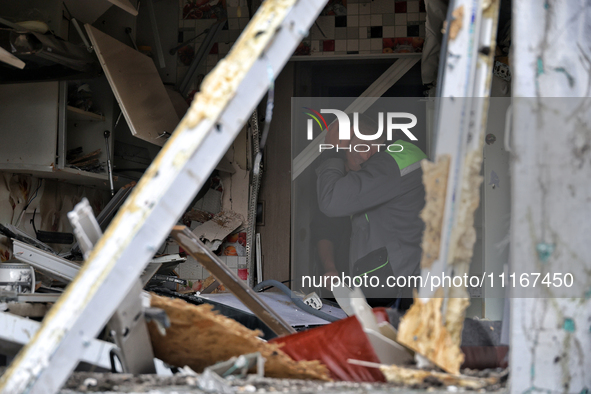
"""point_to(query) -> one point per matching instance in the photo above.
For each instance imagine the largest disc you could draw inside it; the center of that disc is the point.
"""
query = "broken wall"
(51, 200)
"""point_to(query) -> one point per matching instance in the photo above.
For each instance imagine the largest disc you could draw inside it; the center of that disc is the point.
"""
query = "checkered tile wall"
(346, 27)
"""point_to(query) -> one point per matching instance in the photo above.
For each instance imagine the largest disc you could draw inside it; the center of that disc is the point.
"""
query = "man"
(383, 193)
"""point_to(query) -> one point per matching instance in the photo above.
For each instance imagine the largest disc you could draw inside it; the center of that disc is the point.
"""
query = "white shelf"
(68, 175)
(308, 58)
(79, 114)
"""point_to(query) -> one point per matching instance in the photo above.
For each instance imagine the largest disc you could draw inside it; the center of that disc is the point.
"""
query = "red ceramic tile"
(328, 46)
(400, 7)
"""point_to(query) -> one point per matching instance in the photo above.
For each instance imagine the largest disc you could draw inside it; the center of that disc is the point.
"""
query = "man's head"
(355, 158)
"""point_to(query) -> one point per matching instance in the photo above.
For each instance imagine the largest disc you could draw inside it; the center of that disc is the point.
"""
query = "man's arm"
(326, 253)
(342, 194)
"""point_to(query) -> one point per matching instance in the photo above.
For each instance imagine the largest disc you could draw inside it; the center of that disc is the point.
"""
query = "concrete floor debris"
(126, 383)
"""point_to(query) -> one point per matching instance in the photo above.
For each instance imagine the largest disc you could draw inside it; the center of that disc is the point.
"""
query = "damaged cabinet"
(40, 125)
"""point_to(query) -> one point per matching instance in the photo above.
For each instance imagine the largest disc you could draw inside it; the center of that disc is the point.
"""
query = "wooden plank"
(137, 87)
(189, 242)
(214, 338)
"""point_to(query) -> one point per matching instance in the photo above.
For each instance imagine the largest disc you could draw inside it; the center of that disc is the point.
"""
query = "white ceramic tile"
(352, 45)
(327, 53)
(234, 34)
(364, 52)
(352, 9)
(363, 32)
(202, 24)
(340, 33)
(352, 20)
(376, 20)
(364, 9)
(375, 44)
(326, 23)
(232, 12)
(364, 20)
(413, 17)
(188, 34)
(233, 24)
(364, 45)
(388, 31)
(315, 46)
(212, 60)
(223, 36)
(412, 6)
(340, 45)
(423, 16)
(316, 34)
(382, 6)
(189, 23)
(242, 23)
(400, 31)
(223, 47)
(352, 33)
(400, 20)
(388, 19)
(243, 12)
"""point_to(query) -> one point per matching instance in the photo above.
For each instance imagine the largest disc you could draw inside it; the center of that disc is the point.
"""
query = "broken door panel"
(138, 88)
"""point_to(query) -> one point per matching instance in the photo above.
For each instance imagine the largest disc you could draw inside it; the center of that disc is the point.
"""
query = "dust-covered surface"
(88, 382)
(435, 181)
(94, 382)
(422, 331)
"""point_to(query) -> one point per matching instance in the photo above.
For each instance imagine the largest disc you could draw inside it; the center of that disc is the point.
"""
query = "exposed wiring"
(270, 287)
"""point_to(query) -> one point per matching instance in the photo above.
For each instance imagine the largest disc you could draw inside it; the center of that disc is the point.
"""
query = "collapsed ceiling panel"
(137, 86)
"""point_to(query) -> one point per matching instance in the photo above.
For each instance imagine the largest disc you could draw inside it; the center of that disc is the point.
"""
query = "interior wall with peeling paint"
(48, 201)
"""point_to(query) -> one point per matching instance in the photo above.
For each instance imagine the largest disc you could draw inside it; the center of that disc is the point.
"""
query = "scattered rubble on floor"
(199, 337)
(424, 379)
(126, 383)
